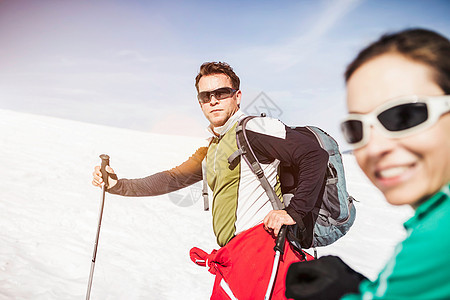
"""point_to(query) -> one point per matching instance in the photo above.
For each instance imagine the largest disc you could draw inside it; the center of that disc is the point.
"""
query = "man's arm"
(299, 149)
(164, 182)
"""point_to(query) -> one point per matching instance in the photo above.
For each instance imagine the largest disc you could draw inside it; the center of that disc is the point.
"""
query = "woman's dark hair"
(421, 45)
(211, 68)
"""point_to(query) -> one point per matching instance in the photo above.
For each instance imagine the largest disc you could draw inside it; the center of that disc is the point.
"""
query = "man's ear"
(238, 96)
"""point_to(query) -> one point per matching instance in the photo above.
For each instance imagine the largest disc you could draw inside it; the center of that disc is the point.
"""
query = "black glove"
(326, 278)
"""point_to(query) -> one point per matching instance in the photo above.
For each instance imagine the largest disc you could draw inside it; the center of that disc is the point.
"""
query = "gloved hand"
(326, 278)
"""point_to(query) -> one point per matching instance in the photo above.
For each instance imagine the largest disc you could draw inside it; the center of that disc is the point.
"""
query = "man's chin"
(217, 122)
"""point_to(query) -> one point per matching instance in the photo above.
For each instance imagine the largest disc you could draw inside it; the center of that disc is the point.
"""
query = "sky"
(132, 63)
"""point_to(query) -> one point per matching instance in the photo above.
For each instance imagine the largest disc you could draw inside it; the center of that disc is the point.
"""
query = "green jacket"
(420, 267)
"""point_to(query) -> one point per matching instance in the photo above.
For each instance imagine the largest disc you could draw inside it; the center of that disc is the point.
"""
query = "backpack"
(337, 212)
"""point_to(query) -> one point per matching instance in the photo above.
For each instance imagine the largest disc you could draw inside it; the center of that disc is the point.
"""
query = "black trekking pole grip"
(105, 162)
(279, 243)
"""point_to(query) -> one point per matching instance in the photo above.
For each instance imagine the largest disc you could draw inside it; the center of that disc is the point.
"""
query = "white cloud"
(299, 48)
(132, 55)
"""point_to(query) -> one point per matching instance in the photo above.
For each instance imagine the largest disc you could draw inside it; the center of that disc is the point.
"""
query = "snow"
(49, 214)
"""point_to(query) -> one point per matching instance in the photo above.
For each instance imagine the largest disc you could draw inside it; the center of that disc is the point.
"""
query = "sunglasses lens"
(204, 97)
(352, 130)
(223, 93)
(219, 94)
(404, 116)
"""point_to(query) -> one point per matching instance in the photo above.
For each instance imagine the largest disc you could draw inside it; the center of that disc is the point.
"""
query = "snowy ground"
(49, 215)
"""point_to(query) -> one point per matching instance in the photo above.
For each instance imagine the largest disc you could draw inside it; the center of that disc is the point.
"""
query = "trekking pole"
(279, 250)
(105, 162)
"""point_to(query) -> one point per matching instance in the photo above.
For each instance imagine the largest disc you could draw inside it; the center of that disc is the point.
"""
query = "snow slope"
(49, 215)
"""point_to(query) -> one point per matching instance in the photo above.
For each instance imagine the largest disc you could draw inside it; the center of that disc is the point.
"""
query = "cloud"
(299, 48)
(132, 55)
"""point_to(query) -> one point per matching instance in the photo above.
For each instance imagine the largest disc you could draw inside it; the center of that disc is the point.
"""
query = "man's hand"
(98, 180)
(275, 219)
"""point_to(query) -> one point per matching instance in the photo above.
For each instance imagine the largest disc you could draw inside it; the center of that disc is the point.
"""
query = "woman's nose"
(379, 144)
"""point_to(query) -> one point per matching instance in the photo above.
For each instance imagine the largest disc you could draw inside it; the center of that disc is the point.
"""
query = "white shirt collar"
(222, 130)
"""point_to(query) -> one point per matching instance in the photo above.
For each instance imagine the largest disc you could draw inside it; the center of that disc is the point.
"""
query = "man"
(240, 204)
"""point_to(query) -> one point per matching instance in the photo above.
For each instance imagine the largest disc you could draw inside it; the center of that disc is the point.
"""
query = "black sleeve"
(301, 150)
(164, 182)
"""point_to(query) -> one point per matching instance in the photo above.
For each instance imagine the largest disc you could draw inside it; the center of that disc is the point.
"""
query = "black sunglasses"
(219, 94)
(397, 118)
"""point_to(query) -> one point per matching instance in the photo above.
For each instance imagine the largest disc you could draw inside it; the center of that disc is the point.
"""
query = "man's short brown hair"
(211, 68)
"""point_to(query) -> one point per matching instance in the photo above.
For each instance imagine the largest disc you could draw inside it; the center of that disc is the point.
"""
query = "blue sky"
(131, 64)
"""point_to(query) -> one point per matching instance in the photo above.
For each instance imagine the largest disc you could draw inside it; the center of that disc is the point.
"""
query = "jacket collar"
(220, 131)
(429, 205)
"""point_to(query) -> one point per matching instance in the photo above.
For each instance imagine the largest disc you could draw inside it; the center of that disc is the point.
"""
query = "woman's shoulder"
(434, 222)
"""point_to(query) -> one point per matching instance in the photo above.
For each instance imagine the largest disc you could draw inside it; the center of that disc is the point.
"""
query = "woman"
(398, 97)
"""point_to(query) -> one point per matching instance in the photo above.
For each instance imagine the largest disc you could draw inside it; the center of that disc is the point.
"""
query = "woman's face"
(405, 169)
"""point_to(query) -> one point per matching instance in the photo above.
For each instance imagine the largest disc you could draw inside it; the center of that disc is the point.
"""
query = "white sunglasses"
(399, 117)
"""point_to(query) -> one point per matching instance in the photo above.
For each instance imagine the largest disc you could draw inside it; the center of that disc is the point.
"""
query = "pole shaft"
(279, 250)
(273, 275)
(94, 255)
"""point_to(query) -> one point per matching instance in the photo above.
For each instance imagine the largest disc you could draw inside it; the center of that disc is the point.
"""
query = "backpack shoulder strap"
(205, 182)
(245, 151)
(205, 187)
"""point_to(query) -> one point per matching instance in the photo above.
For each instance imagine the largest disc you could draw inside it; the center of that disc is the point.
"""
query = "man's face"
(218, 111)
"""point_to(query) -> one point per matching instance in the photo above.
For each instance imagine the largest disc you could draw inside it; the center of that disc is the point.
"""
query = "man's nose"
(214, 100)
